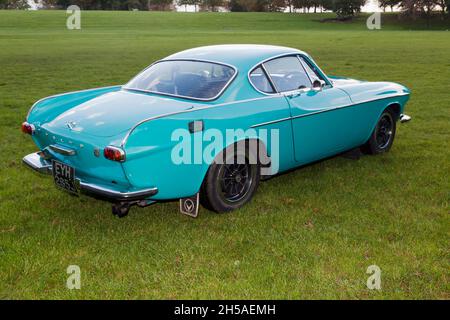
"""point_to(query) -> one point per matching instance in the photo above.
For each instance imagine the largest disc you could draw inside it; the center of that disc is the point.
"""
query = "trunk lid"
(115, 112)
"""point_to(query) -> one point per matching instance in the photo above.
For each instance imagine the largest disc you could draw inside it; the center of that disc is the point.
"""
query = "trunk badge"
(71, 125)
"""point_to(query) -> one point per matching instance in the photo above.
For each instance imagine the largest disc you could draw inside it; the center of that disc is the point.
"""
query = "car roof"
(242, 56)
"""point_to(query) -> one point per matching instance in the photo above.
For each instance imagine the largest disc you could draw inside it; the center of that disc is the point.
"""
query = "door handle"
(297, 93)
(293, 95)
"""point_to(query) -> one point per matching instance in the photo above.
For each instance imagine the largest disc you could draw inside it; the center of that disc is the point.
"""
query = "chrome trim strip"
(35, 162)
(62, 150)
(110, 194)
(270, 122)
(61, 94)
(186, 97)
(124, 140)
(404, 118)
(348, 105)
(332, 109)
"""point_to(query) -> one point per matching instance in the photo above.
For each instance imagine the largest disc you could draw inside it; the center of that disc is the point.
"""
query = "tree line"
(343, 8)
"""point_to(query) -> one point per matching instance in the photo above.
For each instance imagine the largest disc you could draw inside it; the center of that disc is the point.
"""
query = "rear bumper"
(37, 163)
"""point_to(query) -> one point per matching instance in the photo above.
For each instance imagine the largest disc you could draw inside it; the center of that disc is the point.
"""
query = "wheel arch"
(396, 109)
(259, 144)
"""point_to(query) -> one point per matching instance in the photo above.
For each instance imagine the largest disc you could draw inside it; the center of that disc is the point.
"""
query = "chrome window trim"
(304, 69)
(274, 87)
(61, 94)
(323, 74)
(297, 54)
(269, 79)
(261, 63)
(236, 71)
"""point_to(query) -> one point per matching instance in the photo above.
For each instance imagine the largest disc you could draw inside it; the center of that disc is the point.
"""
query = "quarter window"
(312, 73)
(287, 74)
(260, 81)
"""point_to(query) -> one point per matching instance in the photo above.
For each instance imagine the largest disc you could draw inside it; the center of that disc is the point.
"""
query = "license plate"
(64, 176)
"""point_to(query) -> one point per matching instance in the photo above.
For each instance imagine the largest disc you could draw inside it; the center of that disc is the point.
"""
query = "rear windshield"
(183, 78)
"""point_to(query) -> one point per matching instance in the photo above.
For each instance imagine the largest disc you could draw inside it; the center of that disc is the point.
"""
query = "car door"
(317, 131)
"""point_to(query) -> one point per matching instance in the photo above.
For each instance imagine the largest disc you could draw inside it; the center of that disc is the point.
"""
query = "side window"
(287, 74)
(260, 81)
(312, 73)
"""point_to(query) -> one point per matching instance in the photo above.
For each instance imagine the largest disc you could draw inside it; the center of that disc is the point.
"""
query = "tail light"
(114, 154)
(28, 128)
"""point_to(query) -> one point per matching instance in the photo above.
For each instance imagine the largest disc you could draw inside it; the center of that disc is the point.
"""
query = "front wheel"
(383, 135)
(231, 184)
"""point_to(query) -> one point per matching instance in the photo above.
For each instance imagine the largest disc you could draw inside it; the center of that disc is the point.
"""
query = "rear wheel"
(383, 135)
(231, 184)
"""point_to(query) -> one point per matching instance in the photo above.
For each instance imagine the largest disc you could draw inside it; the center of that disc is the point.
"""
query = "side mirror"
(318, 85)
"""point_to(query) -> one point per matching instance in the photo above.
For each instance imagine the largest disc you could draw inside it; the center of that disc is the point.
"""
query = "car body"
(327, 116)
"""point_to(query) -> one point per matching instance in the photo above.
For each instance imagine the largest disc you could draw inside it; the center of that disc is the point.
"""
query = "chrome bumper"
(35, 162)
(404, 118)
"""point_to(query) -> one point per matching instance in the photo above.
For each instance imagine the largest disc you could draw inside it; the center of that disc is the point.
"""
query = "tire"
(383, 135)
(230, 184)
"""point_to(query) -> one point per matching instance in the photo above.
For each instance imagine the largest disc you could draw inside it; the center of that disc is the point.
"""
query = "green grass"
(310, 233)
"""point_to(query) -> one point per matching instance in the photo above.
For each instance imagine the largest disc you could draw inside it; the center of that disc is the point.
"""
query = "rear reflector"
(27, 128)
(114, 154)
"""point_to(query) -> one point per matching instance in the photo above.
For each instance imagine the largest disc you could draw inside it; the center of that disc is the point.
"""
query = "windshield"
(191, 79)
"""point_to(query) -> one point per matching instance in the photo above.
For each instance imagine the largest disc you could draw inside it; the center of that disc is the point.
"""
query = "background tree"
(14, 4)
(316, 4)
(277, 5)
(344, 8)
(443, 4)
(304, 5)
(161, 5)
(256, 5)
(211, 5)
(186, 3)
(388, 3)
(236, 6)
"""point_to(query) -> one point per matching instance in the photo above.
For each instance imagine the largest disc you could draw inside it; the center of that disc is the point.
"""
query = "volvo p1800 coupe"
(117, 143)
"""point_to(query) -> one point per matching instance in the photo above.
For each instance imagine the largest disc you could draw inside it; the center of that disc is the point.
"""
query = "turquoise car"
(206, 125)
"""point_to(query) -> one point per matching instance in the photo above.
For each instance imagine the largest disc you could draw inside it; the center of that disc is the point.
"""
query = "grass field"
(310, 233)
